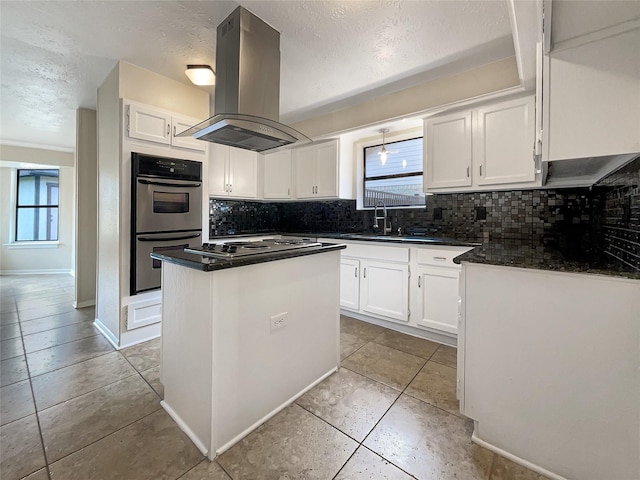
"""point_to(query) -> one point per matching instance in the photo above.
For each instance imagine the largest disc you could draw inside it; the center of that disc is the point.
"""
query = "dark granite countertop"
(209, 264)
(517, 253)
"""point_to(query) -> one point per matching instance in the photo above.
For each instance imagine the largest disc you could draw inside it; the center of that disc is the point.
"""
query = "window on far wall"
(37, 205)
(398, 180)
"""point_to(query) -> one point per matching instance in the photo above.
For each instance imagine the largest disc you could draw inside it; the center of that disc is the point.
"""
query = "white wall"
(36, 257)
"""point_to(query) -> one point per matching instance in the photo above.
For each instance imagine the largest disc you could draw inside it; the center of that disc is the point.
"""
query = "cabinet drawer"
(441, 256)
(377, 252)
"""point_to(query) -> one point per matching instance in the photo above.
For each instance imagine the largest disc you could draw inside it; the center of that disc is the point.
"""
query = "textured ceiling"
(54, 54)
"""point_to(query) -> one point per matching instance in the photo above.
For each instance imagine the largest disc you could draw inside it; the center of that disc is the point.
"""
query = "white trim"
(113, 340)
(520, 461)
(185, 428)
(140, 335)
(277, 410)
(598, 35)
(33, 244)
(35, 272)
(37, 146)
(86, 303)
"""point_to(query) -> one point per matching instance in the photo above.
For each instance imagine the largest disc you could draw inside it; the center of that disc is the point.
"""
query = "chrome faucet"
(385, 228)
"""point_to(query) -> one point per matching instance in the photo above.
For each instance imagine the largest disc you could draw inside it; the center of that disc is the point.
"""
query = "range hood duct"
(247, 91)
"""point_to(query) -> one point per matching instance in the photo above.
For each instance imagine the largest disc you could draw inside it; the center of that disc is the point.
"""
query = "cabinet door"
(385, 290)
(179, 125)
(277, 175)
(304, 165)
(148, 124)
(326, 170)
(350, 283)
(448, 151)
(243, 173)
(218, 170)
(503, 142)
(437, 294)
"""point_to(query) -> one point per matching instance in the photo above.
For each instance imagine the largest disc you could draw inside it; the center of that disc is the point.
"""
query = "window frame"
(46, 206)
(363, 176)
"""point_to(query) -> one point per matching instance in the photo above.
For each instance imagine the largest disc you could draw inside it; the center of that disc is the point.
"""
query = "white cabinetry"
(159, 126)
(233, 172)
(316, 170)
(592, 98)
(350, 283)
(277, 175)
(483, 148)
(385, 289)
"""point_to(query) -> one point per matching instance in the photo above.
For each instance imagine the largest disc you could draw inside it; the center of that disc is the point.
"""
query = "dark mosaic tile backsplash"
(580, 223)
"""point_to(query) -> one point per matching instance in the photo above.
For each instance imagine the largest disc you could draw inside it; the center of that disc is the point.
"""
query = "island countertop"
(209, 264)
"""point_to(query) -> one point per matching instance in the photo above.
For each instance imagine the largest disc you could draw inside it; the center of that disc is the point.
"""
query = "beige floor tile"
(365, 331)
(367, 465)
(56, 321)
(349, 343)
(436, 385)
(27, 302)
(75, 380)
(16, 401)
(13, 370)
(58, 336)
(11, 348)
(48, 311)
(7, 318)
(150, 449)
(152, 376)
(11, 330)
(60, 356)
(446, 355)
(504, 469)
(144, 355)
(21, 449)
(69, 426)
(406, 343)
(429, 443)
(350, 402)
(206, 470)
(386, 365)
(8, 304)
(293, 444)
(39, 475)
(52, 292)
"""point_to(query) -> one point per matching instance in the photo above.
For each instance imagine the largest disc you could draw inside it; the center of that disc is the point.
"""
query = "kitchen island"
(243, 338)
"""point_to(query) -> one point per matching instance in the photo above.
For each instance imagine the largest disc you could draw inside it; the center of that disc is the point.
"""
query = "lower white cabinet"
(436, 298)
(350, 283)
(385, 289)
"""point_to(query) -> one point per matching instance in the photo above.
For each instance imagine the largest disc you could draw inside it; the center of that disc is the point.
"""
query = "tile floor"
(72, 407)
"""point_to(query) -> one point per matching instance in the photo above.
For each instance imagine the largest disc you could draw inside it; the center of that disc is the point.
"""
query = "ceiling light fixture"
(201, 74)
(383, 151)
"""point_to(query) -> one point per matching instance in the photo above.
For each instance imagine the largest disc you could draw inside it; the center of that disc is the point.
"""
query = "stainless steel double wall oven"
(166, 213)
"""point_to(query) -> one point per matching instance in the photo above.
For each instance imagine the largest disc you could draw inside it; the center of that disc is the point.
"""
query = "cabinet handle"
(480, 170)
(419, 281)
(365, 273)
(174, 131)
(230, 187)
(467, 171)
(440, 259)
(168, 129)
(356, 275)
(288, 191)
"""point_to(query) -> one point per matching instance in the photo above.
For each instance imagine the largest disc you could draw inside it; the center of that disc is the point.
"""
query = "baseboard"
(86, 303)
(183, 426)
(139, 335)
(53, 271)
(520, 461)
(277, 410)
(113, 340)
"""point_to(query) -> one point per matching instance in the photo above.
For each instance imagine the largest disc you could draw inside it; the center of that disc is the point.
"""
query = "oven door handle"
(163, 239)
(165, 184)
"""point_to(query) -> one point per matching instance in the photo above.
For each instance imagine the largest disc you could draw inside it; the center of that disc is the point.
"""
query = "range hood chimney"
(247, 101)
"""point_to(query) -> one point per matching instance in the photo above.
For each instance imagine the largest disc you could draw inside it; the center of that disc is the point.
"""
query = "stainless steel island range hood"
(247, 98)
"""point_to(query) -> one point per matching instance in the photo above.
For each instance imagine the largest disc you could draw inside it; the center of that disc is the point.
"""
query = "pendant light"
(201, 74)
(383, 151)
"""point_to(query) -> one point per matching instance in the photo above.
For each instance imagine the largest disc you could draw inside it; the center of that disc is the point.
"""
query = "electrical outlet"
(278, 321)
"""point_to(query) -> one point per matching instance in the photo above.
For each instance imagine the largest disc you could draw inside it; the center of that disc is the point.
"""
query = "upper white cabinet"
(482, 148)
(233, 172)
(316, 170)
(277, 175)
(591, 97)
(158, 126)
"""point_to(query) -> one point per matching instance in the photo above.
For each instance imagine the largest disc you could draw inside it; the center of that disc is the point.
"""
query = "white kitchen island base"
(239, 344)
